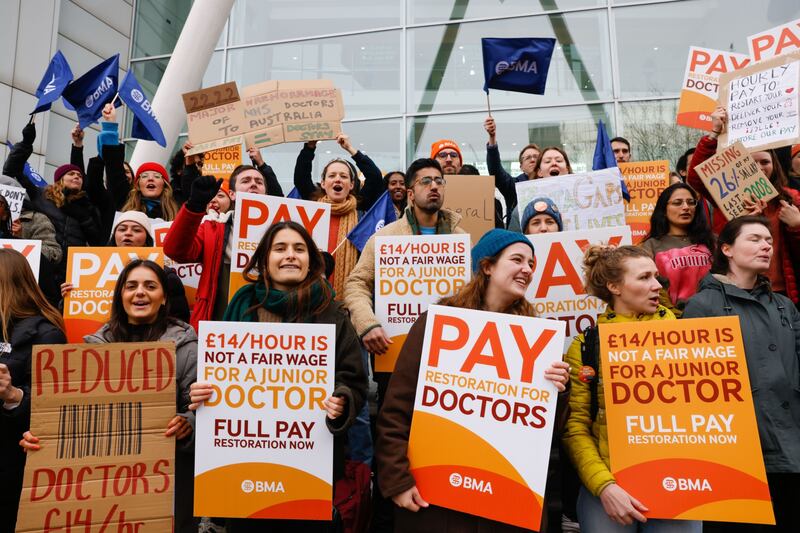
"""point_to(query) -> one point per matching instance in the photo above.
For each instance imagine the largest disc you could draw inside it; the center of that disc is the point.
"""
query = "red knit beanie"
(63, 169)
(150, 165)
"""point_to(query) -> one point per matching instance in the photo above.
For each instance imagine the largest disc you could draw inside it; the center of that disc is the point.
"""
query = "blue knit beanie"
(541, 206)
(493, 242)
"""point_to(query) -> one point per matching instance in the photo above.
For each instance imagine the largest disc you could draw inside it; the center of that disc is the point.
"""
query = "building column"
(184, 73)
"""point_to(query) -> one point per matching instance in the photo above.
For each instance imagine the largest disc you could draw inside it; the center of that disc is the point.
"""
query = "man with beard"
(424, 215)
(448, 155)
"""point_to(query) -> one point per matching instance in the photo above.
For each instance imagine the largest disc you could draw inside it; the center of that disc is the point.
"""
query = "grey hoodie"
(771, 333)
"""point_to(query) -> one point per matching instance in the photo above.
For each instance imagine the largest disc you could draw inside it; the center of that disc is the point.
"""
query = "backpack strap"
(590, 354)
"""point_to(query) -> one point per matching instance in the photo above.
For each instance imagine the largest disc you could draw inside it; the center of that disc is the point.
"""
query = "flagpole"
(488, 104)
(115, 98)
(30, 121)
(338, 246)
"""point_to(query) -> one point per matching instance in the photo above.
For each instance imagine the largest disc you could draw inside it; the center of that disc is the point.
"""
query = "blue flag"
(55, 80)
(89, 93)
(32, 175)
(604, 156)
(145, 124)
(378, 216)
(517, 64)
(294, 193)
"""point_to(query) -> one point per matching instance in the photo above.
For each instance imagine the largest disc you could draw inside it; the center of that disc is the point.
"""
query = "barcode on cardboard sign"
(99, 430)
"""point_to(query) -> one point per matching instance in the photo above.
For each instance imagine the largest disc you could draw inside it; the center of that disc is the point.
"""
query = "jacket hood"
(177, 331)
(723, 284)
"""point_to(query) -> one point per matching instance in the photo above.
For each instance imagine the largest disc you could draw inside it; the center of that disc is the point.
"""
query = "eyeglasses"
(527, 158)
(447, 155)
(691, 202)
(427, 180)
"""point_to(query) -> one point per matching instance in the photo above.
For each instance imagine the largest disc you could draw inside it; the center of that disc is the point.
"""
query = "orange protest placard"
(100, 411)
(645, 181)
(221, 162)
(93, 273)
(682, 430)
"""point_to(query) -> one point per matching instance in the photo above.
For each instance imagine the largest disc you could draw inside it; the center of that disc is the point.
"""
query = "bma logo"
(380, 224)
(470, 483)
(249, 486)
(137, 96)
(105, 85)
(518, 66)
(671, 484)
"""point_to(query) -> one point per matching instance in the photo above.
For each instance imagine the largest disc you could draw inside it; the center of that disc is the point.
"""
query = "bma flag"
(517, 64)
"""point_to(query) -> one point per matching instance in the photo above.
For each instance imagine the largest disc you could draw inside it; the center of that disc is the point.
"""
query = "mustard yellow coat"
(587, 441)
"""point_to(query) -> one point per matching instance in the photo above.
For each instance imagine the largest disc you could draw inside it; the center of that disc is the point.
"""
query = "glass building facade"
(411, 70)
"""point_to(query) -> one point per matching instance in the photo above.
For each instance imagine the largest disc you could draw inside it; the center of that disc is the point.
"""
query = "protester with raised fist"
(26, 320)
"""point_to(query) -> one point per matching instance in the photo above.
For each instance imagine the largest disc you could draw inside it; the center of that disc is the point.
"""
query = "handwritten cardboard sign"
(557, 289)
(763, 103)
(701, 84)
(262, 446)
(586, 200)
(100, 412)
(220, 122)
(412, 272)
(682, 430)
(14, 196)
(645, 181)
(209, 97)
(93, 273)
(775, 42)
(31, 249)
(472, 197)
(731, 176)
(483, 413)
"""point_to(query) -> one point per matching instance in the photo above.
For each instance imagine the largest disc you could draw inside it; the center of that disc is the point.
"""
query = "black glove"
(204, 189)
(80, 209)
(29, 133)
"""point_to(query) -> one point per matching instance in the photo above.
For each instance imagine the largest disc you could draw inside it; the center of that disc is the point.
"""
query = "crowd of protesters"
(746, 267)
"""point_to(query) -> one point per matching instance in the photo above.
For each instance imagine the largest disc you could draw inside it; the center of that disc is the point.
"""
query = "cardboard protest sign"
(731, 176)
(224, 93)
(472, 197)
(262, 446)
(412, 272)
(775, 42)
(483, 413)
(682, 431)
(701, 84)
(188, 272)
(645, 181)
(221, 162)
(216, 144)
(93, 273)
(586, 200)
(14, 196)
(31, 249)
(255, 213)
(557, 288)
(219, 122)
(100, 412)
(762, 102)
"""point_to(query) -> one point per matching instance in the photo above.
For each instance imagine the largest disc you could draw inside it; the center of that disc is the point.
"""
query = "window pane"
(573, 127)
(255, 21)
(365, 67)
(446, 63)
(425, 11)
(650, 127)
(158, 25)
(652, 63)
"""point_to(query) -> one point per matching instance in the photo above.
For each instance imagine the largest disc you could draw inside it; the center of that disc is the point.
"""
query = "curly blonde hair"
(169, 209)
(55, 193)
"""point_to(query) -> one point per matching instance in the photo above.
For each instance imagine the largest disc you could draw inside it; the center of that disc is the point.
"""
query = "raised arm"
(302, 171)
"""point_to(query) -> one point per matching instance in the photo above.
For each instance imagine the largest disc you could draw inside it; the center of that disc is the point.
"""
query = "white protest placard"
(557, 287)
(762, 103)
(775, 41)
(14, 196)
(701, 84)
(483, 413)
(255, 213)
(262, 446)
(31, 249)
(188, 272)
(586, 200)
(412, 272)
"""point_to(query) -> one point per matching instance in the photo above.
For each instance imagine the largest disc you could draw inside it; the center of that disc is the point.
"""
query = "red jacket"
(190, 240)
(790, 238)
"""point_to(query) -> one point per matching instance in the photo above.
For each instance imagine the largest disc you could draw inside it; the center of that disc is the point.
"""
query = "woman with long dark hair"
(738, 286)
(26, 319)
(288, 285)
(680, 242)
